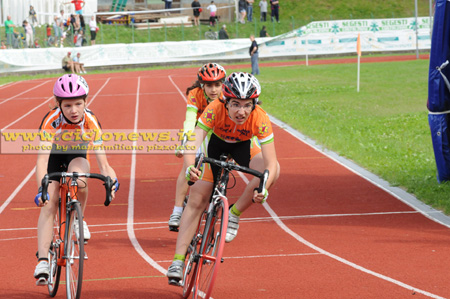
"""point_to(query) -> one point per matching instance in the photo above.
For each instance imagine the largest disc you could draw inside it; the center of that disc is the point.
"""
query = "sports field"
(326, 231)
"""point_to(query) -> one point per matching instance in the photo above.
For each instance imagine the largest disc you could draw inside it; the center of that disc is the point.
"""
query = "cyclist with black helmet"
(235, 123)
(207, 88)
(60, 127)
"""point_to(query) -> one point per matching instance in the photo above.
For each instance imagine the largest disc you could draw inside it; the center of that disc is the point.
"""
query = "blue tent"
(439, 89)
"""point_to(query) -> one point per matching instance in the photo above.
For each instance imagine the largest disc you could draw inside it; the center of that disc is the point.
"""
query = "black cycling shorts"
(239, 151)
(60, 162)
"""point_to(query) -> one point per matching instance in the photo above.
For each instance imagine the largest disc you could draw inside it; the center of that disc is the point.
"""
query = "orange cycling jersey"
(196, 101)
(55, 126)
(216, 117)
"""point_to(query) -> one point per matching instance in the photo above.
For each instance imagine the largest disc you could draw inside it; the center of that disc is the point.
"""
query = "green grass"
(383, 128)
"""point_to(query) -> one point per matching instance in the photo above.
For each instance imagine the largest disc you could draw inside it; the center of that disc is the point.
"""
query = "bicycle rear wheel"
(192, 257)
(214, 242)
(53, 255)
(75, 253)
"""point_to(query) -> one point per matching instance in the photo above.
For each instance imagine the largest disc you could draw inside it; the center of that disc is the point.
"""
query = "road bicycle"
(67, 246)
(204, 254)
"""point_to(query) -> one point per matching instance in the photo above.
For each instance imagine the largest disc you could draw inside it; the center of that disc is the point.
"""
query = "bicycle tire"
(53, 255)
(214, 242)
(74, 253)
(192, 257)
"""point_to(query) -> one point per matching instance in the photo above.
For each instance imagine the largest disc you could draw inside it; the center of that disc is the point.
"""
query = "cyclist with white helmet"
(59, 126)
(207, 88)
(235, 123)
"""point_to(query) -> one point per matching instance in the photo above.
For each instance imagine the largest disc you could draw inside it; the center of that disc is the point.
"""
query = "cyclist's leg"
(180, 194)
(198, 200)
(80, 164)
(45, 222)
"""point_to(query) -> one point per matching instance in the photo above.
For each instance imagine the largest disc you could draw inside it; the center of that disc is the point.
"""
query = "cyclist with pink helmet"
(69, 116)
(235, 123)
(207, 88)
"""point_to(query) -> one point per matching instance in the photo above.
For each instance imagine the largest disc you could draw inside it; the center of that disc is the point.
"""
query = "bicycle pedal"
(175, 282)
(42, 281)
(173, 228)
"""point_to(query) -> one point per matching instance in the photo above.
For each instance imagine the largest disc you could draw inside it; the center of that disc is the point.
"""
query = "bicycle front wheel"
(214, 242)
(75, 252)
(54, 254)
(192, 257)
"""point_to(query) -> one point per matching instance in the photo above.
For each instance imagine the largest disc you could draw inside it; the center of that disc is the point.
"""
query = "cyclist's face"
(239, 110)
(73, 110)
(213, 90)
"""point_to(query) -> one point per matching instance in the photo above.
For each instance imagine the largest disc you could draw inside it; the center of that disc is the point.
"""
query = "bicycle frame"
(65, 193)
(67, 247)
(211, 245)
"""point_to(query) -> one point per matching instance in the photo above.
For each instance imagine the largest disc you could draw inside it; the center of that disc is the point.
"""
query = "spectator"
(57, 29)
(79, 67)
(82, 23)
(197, 10)
(212, 13)
(242, 7)
(67, 63)
(275, 6)
(3, 46)
(79, 4)
(32, 16)
(263, 32)
(36, 43)
(79, 39)
(28, 34)
(93, 28)
(250, 10)
(62, 20)
(223, 34)
(263, 9)
(49, 34)
(9, 29)
(254, 55)
(77, 24)
(168, 5)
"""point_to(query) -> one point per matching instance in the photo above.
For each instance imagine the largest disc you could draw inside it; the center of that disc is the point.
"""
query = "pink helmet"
(70, 86)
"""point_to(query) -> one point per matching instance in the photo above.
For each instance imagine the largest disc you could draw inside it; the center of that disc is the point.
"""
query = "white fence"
(318, 38)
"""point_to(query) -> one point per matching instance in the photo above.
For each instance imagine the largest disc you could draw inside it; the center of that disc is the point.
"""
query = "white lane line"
(179, 91)
(26, 114)
(17, 190)
(24, 92)
(254, 219)
(338, 258)
(8, 84)
(130, 217)
(258, 256)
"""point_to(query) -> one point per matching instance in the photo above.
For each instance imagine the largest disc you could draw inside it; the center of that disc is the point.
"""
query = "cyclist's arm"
(103, 165)
(270, 161)
(42, 162)
(189, 159)
(191, 119)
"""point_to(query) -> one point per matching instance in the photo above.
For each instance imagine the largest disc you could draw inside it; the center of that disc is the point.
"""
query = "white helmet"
(242, 86)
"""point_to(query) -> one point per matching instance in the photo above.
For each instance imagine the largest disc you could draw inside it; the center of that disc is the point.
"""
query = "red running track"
(325, 233)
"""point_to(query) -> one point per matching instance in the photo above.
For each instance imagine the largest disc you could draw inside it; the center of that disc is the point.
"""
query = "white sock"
(177, 210)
